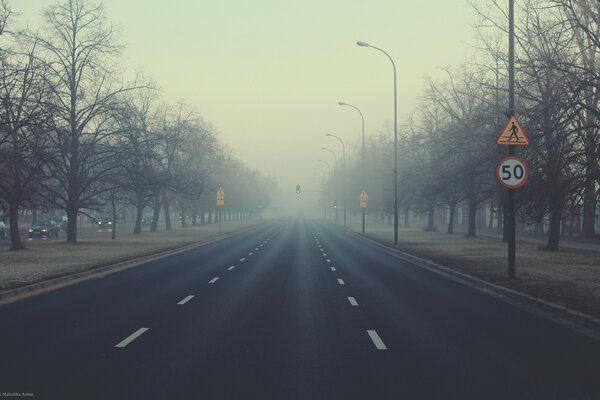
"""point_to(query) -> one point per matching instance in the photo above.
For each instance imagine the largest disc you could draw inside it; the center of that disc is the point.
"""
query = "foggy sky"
(268, 74)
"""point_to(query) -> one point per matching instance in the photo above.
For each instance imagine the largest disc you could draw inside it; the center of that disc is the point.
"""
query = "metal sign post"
(220, 203)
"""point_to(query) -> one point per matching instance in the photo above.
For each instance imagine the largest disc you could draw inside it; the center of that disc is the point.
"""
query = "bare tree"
(23, 98)
(80, 54)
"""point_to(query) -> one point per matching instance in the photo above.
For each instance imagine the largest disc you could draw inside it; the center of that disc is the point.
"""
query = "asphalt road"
(291, 309)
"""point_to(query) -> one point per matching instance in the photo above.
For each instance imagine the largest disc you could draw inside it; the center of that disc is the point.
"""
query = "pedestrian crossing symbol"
(513, 134)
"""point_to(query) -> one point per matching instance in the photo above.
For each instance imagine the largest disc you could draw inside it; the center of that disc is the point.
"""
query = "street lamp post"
(344, 172)
(362, 117)
(363, 44)
(329, 169)
(335, 192)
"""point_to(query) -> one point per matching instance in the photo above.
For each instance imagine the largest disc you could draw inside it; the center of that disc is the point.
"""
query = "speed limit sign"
(512, 172)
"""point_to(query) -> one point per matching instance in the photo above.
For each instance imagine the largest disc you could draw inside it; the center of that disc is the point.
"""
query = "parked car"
(3, 230)
(105, 223)
(45, 228)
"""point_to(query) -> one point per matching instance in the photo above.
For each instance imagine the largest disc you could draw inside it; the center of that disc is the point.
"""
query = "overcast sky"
(268, 74)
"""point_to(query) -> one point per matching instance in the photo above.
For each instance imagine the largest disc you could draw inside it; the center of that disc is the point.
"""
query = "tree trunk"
(588, 229)
(15, 236)
(155, 217)
(168, 226)
(137, 229)
(472, 231)
(451, 219)
(113, 233)
(72, 212)
(555, 224)
(202, 217)
(194, 214)
(505, 219)
(406, 217)
(430, 217)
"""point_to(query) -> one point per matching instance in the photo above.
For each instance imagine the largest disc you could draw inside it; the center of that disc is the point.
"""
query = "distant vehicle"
(147, 220)
(42, 229)
(105, 223)
(3, 230)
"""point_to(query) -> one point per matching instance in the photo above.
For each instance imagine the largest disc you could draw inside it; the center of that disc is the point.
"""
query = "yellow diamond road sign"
(363, 199)
(220, 197)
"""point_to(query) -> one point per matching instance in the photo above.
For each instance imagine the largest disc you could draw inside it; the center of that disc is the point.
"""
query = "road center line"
(352, 301)
(182, 302)
(213, 280)
(132, 337)
(333, 269)
(376, 340)
(341, 281)
(230, 268)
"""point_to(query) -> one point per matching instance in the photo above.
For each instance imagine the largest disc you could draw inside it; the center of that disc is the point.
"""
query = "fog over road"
(290, 309)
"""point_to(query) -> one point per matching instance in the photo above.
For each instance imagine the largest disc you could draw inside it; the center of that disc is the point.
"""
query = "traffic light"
(260, 204)
(298, 190)
(334, 204)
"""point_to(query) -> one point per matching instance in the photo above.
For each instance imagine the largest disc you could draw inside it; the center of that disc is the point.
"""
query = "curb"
(99, 271)
(565, 316)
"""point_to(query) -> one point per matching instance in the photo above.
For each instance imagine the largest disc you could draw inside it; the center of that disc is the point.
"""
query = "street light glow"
(363, 44)
(341, 103)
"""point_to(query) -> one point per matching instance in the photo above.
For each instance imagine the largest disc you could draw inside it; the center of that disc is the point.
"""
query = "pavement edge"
(99, 271)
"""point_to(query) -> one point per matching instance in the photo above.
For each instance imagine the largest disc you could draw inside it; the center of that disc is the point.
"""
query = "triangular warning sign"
(513, 134)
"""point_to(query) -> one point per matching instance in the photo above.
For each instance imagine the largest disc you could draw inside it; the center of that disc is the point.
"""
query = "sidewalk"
(569, 277)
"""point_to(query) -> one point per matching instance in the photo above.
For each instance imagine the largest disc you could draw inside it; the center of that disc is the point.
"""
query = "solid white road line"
(352, 301)
(132, 337)
(376, 340)
(230, 268)
(333, 269)
(182, 302)
(242, 259)
(341, 281)
(213, 280)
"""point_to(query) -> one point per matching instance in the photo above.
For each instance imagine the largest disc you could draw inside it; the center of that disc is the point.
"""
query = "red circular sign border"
(522, 161)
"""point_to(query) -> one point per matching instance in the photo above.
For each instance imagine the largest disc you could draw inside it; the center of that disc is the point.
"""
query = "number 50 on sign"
(512, 172)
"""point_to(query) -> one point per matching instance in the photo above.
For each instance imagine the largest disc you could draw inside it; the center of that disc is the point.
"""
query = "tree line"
(75, 136)
(448, 152)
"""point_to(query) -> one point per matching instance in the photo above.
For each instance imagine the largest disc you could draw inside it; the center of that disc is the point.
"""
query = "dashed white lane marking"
(261, 245)
(333, 269)
(213, 280)
(250, 253)
(341, 281)
(324, 254)
(182, 302)
(328, 260)
(230, 268)
(376, 340)
(352, 301)
(256, 249)
(132, 337)
(242, 259)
